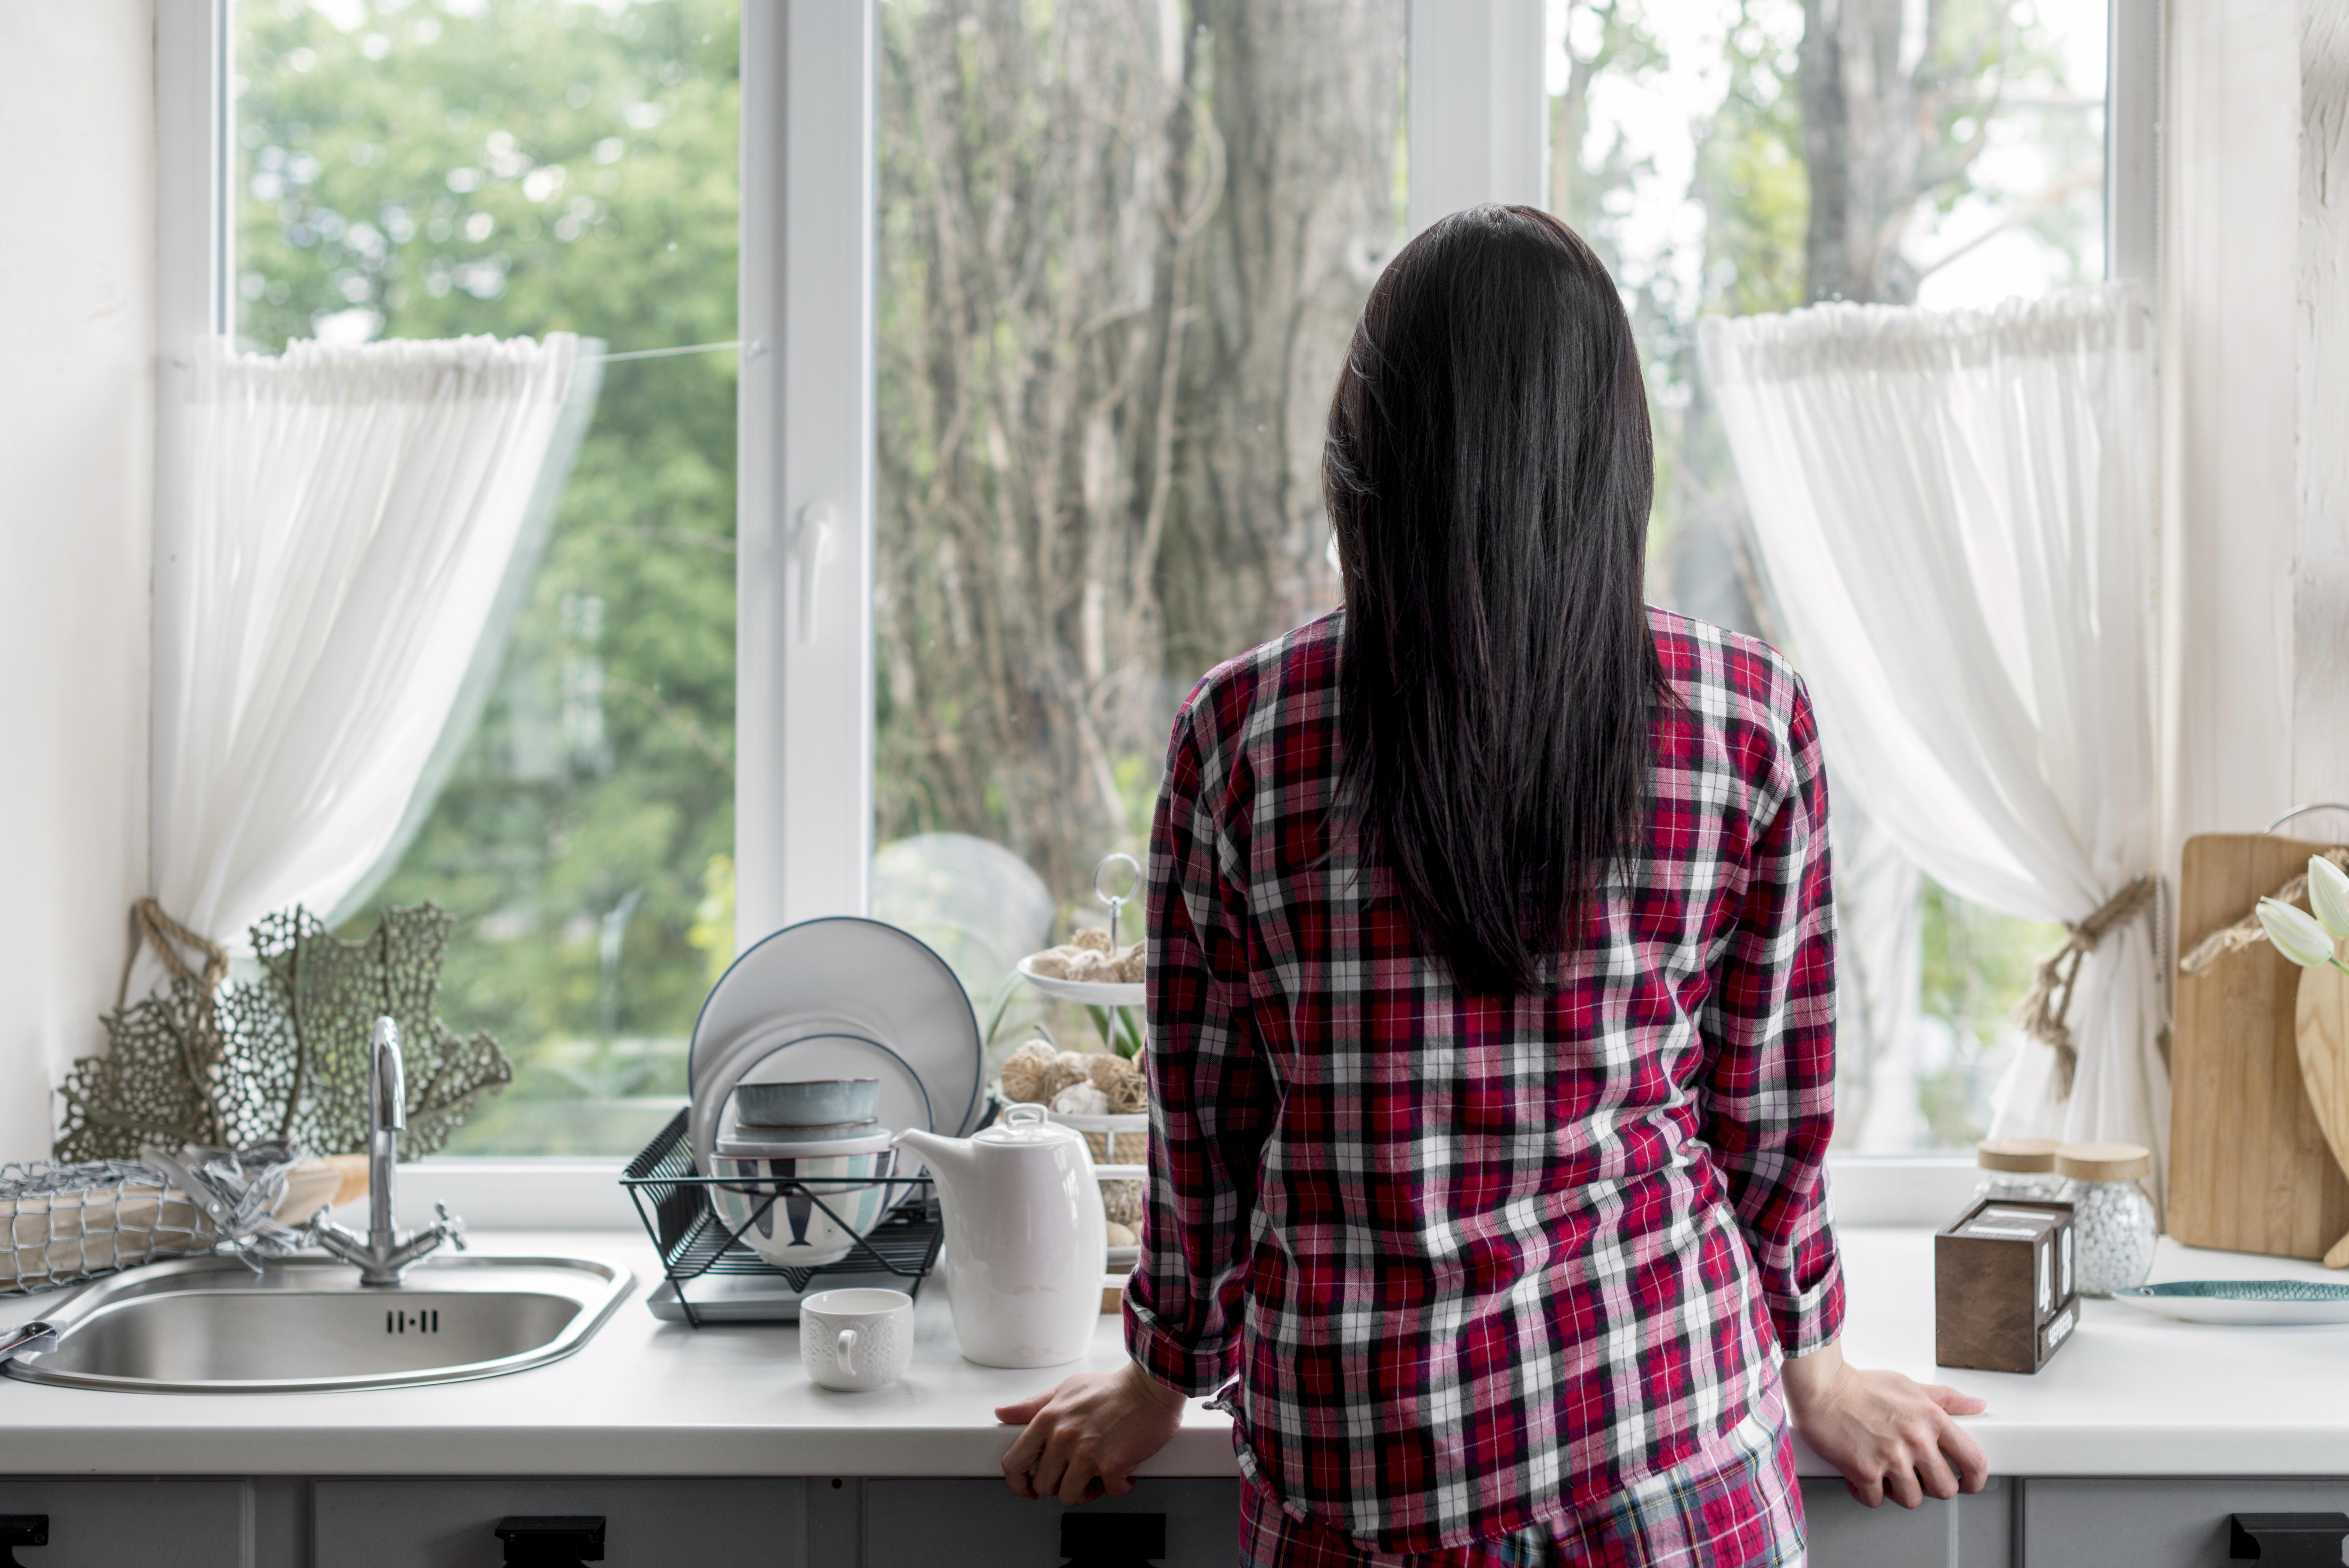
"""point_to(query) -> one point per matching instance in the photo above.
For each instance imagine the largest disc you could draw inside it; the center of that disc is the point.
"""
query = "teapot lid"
(1024, 1126)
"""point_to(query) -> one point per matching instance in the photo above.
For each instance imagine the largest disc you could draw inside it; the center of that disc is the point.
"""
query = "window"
(516, 167)
(1039, 307)
(1724, 158)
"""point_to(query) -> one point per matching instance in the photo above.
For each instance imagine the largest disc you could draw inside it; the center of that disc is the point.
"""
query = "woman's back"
(1493, 1255)
(1492, 1025)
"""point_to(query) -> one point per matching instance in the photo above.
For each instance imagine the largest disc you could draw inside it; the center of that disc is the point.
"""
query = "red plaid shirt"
(1476, 1261)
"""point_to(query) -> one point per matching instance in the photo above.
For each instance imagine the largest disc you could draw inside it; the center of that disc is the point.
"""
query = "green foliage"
(540, 166)
(1977, 964)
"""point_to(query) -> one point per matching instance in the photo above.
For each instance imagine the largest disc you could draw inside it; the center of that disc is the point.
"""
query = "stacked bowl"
(805, 1168)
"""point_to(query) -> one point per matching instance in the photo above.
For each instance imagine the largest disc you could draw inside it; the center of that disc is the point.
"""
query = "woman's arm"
(1211, 1107)
(1770, 1091)
(1769, 1031)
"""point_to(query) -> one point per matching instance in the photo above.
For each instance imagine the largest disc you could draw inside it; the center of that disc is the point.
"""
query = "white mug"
(851, 1340)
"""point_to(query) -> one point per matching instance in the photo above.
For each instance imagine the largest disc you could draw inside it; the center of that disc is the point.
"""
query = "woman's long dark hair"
(1488, 473)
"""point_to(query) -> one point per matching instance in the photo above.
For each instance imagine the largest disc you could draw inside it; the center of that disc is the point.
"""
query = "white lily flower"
(2328, 894)
(2297, 935)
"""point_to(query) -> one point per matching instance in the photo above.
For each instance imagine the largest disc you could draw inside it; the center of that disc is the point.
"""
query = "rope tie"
(153, 928)
(2044, 1009)
(2248, 929)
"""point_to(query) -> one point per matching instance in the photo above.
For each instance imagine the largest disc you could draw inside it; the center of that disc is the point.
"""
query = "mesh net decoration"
(283, 1059)
(59, 1224)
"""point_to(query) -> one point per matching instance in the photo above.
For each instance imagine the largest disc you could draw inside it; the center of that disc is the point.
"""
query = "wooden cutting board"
(2249, 1168)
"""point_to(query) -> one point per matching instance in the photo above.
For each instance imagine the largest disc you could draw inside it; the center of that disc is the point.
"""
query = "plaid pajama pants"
(1737, 1509)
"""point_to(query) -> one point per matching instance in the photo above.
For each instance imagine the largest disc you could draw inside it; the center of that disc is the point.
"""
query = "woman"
(1492, 1024)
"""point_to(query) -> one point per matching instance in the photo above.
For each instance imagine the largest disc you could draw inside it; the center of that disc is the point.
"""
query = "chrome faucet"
(381, 1258)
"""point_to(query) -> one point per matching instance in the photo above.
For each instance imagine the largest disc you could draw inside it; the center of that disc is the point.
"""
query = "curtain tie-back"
(2248, 929)
(150, 925)
(2046, 1008)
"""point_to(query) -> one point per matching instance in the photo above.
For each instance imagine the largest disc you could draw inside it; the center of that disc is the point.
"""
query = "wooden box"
(2002, 1293)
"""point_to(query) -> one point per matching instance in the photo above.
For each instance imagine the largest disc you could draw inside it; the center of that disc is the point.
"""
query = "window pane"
(1722, 159)
(517, 167)
(1122, 246)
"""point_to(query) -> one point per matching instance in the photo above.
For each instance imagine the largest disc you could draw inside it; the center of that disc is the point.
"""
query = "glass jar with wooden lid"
(2017, 1169)
(2111, 1212)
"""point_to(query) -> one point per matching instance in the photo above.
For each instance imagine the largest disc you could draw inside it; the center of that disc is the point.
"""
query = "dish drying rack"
(672, 1200)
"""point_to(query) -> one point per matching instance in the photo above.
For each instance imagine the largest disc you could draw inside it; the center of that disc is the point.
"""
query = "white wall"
(76, 397)
(2252, 684)
(2320, 750)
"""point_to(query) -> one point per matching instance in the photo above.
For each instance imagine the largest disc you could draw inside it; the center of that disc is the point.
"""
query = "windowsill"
(563, 1193)
(519, 1192)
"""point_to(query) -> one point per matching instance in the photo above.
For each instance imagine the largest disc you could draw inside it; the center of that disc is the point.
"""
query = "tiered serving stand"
(1121, 1135)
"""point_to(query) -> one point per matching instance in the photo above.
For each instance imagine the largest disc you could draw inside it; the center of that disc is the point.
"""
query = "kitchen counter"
(2131, 1395)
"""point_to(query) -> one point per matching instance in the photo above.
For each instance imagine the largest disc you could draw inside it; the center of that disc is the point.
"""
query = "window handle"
(812, 546)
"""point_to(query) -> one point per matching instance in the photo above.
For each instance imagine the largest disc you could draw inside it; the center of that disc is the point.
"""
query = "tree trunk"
(1122, 248)
(1307, 98)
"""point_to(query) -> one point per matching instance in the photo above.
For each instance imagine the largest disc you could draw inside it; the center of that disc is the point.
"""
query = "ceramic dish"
(743, 1144)
(793, 1230)
(1123, 1121)
(794, 1048)
(846, 977)
(1088, 993)
(811, 1102)
(832, 1134)
(2274, 1301)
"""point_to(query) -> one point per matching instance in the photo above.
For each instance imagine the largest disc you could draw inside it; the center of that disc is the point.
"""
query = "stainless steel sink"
(210, 1326)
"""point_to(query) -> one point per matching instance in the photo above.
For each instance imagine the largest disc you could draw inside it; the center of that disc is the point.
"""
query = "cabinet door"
(1976, 1532)
(2173, 1524)
(979, 1524)
(647, 1523)
(114, 1523)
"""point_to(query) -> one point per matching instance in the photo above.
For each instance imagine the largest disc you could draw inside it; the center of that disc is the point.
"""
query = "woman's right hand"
(1891, 1436)
(1083, 1437)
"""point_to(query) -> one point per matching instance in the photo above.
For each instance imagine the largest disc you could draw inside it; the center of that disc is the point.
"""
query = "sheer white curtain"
(353, 511)
(1955, 513)
(1879, 958)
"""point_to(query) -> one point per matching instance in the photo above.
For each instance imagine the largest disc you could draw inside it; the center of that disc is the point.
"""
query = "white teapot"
(1026, 1248)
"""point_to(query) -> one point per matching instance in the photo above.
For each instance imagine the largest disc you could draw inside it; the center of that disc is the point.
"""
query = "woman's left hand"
(1093, 1429)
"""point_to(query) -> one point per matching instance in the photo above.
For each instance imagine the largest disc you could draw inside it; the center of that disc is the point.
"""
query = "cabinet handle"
(21, 1530)
(1112, 1539)
(2291, 1540)
(553, 1540)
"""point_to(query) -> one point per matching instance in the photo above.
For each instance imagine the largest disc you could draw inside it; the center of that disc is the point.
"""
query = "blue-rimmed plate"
(2277, 1302)
(841, 997)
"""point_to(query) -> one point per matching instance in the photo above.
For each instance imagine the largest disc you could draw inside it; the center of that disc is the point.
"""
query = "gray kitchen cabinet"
(119, 1522)
(980, 1524)
(2163, 1523)
(648, 1524)
(1976, 1532)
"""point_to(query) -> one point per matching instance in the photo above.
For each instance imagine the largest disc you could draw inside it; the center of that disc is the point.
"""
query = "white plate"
(1123, 1260)
(1090, 993)
(2277, 1302)
(1121, 1124)
(843, 975)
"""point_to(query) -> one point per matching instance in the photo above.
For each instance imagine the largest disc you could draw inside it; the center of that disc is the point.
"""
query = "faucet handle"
(450, 1226)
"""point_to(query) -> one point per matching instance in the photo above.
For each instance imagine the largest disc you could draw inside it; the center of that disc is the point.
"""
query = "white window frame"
(1477, 131)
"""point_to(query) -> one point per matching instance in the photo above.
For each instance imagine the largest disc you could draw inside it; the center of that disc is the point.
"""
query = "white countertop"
(2131, 1395)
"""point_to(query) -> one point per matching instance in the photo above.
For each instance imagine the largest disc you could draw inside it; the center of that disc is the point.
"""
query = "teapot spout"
(950, 1159)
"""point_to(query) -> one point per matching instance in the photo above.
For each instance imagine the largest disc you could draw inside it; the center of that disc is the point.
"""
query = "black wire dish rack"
(695, 1245)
